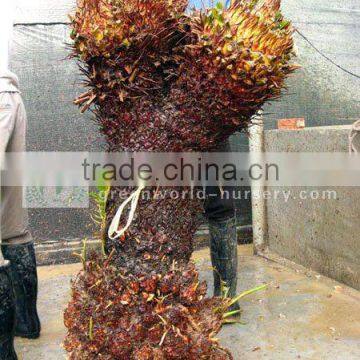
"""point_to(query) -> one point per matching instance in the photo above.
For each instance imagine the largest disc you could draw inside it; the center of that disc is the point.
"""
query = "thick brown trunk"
(161, 232)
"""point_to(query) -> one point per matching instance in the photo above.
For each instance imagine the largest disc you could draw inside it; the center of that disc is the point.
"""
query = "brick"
(291, 124)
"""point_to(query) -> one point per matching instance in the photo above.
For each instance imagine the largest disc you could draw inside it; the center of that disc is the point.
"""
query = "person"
(220, 213)
(16, 242)
(221, 216)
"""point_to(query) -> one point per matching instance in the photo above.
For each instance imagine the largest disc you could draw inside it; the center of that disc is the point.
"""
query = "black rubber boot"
(7, 314)
(25, 284)
(223, 238)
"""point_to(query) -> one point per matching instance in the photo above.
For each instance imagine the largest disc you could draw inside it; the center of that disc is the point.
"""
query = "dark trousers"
(217, 207)
(220, 211)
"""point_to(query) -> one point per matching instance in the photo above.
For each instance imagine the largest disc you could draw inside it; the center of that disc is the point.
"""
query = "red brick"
(291, 124)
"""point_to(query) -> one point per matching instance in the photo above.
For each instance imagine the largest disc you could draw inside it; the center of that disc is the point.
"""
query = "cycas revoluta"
(161, 79)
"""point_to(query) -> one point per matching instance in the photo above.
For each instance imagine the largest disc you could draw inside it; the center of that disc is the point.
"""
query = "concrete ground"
(301, 315)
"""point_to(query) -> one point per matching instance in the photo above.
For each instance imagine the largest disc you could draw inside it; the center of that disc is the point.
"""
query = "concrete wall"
(324, 234)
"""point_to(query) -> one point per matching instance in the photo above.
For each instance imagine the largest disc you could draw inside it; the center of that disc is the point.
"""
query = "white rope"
(114, 232)
(354, 132)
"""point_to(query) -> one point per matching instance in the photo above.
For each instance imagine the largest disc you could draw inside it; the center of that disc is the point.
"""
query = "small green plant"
(99, 198)
(83, 254)
(228, 302)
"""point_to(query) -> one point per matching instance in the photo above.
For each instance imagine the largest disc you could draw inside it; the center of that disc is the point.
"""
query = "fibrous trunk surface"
(161, 79)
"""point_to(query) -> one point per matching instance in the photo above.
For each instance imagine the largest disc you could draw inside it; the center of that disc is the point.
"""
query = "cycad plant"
(161, 79)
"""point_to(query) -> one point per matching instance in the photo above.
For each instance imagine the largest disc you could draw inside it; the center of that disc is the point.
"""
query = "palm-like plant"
(163, 80)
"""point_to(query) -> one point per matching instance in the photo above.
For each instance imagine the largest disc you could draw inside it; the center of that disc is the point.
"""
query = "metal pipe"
(256, 146)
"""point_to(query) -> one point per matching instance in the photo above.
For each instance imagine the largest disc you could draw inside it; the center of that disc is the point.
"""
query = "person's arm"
(6, 126)
(6, 123)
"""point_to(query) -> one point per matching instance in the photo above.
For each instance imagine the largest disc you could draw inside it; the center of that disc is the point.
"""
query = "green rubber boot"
(223, 245)
(25, 284)
(7, 314)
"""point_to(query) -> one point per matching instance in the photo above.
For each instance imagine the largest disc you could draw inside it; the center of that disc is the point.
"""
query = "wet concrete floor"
(299, 316)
